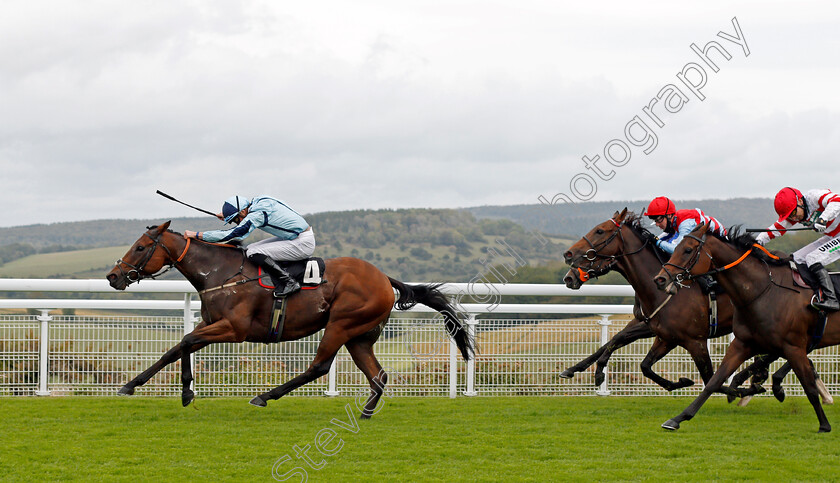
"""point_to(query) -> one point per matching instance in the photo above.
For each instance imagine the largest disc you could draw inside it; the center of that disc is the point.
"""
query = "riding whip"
(762, 230)
(185, 204)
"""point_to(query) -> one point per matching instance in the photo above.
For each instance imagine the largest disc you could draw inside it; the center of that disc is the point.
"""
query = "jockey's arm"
(252, 221)
(773, 231)
(670, 244)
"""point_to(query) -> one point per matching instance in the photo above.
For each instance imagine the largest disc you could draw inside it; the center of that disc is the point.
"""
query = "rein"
(686, 274)
(137, 270)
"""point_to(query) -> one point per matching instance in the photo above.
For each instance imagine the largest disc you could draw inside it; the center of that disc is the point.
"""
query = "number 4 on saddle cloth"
(308, 273)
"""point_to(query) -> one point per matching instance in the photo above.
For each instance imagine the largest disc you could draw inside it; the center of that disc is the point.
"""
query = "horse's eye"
(599, 231)
(688, 250)
(141, 248)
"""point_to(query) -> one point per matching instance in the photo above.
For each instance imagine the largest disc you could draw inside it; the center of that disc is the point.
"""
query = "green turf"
(94, 260)
(414, 439)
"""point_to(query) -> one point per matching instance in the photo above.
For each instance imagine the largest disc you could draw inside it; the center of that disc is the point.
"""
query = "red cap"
(786, 201)
(660, 206)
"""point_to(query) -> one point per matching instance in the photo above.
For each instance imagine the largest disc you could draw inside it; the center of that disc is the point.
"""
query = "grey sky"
(347, 105)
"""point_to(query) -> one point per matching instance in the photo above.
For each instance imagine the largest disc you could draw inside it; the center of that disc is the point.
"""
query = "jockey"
(292, 236)
(676, 224)
(817, 209)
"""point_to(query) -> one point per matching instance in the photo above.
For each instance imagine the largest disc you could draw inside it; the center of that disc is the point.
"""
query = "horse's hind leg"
(361, 350)
(659, 350)
(320, 366)
(783, 371)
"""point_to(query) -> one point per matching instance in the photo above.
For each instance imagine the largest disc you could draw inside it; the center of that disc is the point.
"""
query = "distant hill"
(412, 244)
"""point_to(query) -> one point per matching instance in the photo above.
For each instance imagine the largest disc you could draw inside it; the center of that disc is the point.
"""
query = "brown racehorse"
(352, 306)
(772, 315)
(623, 245)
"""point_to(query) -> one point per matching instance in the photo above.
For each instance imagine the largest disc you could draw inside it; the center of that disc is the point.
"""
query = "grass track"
(415, 439)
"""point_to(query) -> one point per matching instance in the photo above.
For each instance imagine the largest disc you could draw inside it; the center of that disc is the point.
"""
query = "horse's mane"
(634, 222)
(745, 241)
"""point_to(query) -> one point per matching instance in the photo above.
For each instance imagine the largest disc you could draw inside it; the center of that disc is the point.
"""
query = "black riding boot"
(828, 301)
(286, 285)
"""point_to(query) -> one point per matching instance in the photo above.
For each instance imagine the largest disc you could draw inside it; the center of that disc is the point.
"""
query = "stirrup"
(818, 304)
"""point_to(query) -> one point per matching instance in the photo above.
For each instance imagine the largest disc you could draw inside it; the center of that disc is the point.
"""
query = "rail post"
(605, 337)
(332, 386)
(453, 369)
(44, 354)
(471, 330)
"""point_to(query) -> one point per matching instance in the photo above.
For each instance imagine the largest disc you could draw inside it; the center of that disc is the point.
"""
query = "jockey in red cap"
(675, 224)
(817, 209)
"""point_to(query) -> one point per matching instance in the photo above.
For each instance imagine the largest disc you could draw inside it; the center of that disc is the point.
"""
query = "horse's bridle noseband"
(685, 271)
(137, 271)
(592, 255)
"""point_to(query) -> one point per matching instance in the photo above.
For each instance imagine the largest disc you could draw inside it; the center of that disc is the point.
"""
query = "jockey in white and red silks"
(817, 209)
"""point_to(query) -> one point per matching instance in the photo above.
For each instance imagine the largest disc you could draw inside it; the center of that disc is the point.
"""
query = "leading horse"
(772, 314)
(352, 306)
(623, 245)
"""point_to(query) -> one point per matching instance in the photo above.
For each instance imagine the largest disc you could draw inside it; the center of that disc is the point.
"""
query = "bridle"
(138, 272)
(606, 261)
(685, 271)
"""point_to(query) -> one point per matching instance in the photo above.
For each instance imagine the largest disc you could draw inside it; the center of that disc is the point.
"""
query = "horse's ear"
(163, 226)
(620, 216)
(701, 229)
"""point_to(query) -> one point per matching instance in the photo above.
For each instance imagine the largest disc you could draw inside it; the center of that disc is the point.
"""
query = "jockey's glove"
(820, 225)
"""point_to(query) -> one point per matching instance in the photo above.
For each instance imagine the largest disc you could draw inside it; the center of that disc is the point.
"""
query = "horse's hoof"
(258, 402)
(187, 397)
(567, 374)
(126, 391)
(671, 425)
(780, 394)
(828, 400)
(685, 382)
(599, 378)
(364, 416)
(826, 429)
(744, 401)
(730, 397)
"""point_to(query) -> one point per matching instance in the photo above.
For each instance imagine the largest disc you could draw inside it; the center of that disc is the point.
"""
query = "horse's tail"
(429, 295)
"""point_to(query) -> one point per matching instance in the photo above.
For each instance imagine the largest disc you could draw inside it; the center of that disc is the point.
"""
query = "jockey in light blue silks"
(292, 236)
(676, 224)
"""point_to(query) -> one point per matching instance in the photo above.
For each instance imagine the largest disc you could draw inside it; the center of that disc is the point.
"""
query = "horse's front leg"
(658, 350)
(632, 332)
(736, 354)
(219, 331)
(169, 357)
(805, 372)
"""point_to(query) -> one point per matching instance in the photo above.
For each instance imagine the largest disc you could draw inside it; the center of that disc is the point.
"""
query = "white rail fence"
(51, 353)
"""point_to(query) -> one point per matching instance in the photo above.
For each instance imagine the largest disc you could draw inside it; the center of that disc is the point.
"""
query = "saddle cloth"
(308, 273)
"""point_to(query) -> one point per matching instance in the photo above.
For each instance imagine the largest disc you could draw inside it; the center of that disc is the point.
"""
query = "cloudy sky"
(375, 104)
